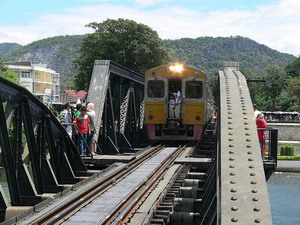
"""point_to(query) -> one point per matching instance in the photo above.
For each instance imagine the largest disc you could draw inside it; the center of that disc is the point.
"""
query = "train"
(178, 102)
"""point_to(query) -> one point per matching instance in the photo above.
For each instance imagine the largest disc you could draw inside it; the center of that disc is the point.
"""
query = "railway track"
(122, 191)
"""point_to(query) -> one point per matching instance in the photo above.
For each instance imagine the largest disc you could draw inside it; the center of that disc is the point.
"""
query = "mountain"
(7, 48)
(57, 52)
(209, 53)
(205, 53)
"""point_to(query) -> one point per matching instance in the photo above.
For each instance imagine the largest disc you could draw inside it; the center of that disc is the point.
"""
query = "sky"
(275, 23)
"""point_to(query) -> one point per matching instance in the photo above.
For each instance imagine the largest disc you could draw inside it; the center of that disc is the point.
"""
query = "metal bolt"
(248, 139)
(231, 145)
(247, 134)
(230, 139)
(249, 152)
(232, 166)
(230, 133)
(257, 220)
(231, 152)
(253, 182)
(234, 208)
(249, 146)
(231, 159)
(233, 182)
(255, 199)
(229, 122)
(234, 198)
(234, 219)
(230, 128)
(233, 190)
(251, 166)
(256, 209)
(232, 174)
(246, 128)
(252, 174)
(250, 159)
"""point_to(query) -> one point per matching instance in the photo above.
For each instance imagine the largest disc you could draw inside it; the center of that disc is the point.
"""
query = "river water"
(284, 194)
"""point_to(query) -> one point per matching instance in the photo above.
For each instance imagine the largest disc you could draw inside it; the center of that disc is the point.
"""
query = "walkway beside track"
(103, 206)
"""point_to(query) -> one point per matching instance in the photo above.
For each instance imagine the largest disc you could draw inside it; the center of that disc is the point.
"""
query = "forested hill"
(206, 53)
(57, 52)
(7, 48)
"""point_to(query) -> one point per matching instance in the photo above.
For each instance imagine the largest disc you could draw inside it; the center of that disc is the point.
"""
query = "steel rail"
(69, 206)
(122, 215)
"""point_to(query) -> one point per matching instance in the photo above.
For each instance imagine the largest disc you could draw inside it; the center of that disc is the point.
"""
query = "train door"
(175, 99)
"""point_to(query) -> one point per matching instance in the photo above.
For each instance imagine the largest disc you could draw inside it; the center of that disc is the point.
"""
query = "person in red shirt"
(83, 123)
(261, 123)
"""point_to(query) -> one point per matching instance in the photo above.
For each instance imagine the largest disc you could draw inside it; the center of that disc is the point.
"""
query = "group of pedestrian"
(80, 126)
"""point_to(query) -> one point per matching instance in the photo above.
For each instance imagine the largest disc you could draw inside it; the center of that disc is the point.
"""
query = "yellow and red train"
(178, 102)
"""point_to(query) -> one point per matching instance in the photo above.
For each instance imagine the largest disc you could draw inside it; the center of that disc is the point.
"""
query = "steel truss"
(37, 154)
(241, 191)
(118, 97)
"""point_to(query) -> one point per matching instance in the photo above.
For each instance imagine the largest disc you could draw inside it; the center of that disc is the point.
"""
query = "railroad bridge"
(216, 180)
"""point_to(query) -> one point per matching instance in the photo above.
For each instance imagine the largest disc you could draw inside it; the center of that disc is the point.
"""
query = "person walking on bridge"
(91, 138)
(261, 123)
(83, 124)
(65, 118)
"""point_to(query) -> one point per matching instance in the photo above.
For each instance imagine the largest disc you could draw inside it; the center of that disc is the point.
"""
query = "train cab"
(175, 102)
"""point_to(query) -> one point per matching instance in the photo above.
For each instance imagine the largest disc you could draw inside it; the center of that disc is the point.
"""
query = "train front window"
(193, 89)
(156, 88)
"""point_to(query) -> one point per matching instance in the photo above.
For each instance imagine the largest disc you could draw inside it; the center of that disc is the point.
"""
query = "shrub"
(287, 150)
(282, 150)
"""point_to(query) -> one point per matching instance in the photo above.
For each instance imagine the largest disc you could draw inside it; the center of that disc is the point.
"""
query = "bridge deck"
(98, 210)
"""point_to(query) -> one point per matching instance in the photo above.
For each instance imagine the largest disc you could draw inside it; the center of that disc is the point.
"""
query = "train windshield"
(156, 88)
(193, 89)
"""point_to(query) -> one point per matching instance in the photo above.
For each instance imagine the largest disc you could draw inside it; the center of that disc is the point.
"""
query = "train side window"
(156, 88)
(193, 89)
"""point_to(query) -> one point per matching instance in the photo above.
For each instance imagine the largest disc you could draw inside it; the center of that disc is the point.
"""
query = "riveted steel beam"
(30, 135)
(242, 189)
(117, 94)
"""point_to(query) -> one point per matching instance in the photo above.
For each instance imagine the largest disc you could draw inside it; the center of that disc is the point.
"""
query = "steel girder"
(118, 97)
(37, 154)
(241, 187)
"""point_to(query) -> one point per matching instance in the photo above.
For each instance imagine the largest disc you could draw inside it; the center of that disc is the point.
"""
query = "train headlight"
(150, 117)
(197, 74)
(198, 117)
(176, 68)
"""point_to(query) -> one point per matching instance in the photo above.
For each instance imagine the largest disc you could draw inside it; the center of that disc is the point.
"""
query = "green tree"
(7, 73)
(293, 69)
(130, 44)
(294, 88)
(276, 82)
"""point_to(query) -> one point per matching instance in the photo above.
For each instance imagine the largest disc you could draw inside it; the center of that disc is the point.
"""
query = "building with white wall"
(43, 82)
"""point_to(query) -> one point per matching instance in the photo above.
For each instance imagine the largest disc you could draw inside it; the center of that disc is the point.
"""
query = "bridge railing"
(271, 145)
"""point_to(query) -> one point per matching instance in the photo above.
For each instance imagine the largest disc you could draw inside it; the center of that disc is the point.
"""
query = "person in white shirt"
(177, 96)
(171, 107)
(256, 112)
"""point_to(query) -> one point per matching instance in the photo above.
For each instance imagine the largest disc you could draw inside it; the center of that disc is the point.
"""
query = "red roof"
(73, 95)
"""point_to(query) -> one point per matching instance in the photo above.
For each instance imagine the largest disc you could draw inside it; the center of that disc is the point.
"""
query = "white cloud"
(276, 26)
(146, 3)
